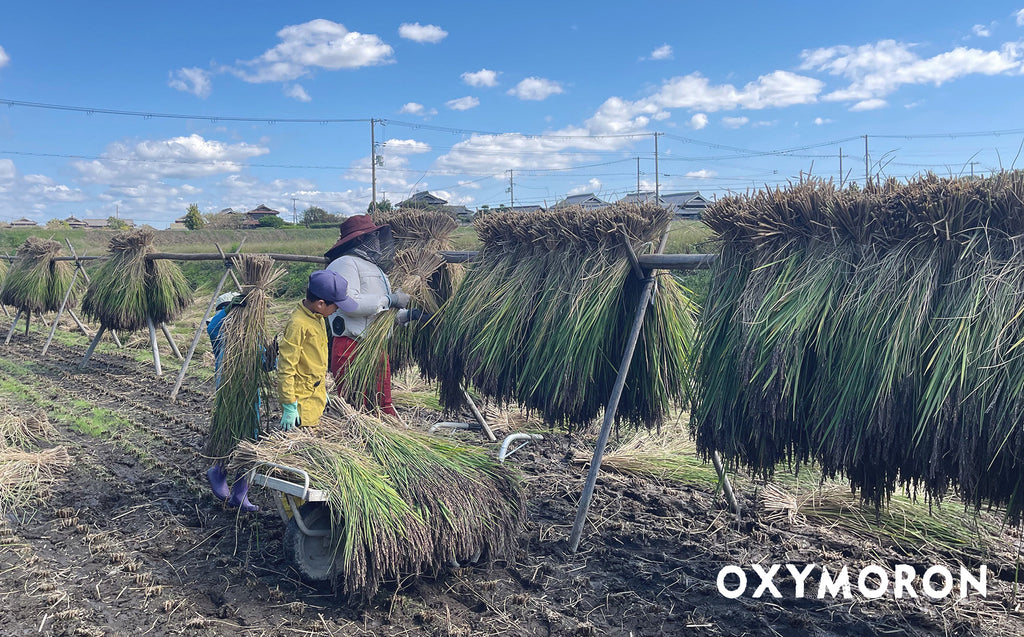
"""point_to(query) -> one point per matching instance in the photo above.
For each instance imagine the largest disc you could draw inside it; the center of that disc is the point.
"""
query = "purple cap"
(333, 288)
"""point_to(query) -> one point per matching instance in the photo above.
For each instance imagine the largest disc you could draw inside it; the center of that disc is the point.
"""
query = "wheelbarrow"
(308, 544)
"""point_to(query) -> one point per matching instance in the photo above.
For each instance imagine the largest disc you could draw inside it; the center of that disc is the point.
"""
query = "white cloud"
(876, 70)
(536, 88)
(981, 31)
(177, 158)
(594, 185)
(869, 105)
(317, 44)
(821, 121)
(463, 103)
(4, 58)
(32, 195)
(703, 173)
(698, 121)
(483, 77)
(494, 154)
(192, 80)
(1020, 17)
(296, 91)
(422, 33)
(412, 108)
(734, 122)
(405, 147)
(663, 52)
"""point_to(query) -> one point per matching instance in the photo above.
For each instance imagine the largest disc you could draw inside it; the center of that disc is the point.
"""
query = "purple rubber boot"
(218, 477)
(240, 496)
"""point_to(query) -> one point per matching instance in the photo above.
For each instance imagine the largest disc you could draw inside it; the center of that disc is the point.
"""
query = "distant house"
(74, 222)
(23, 223)
(422, 200)
(588, 200)
(686, 205)
(252, 218)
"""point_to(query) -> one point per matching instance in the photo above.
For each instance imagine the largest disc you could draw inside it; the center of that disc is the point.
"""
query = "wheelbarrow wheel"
(312, 555)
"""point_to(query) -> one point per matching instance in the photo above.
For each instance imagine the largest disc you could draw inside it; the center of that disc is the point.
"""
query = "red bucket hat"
(351, 229)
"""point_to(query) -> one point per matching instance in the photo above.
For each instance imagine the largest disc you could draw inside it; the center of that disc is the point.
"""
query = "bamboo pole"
(195, 339)
(117, 341)
(92, 346)
(85, 276)
(81, 325)
(170, 339)
(155, 347)
(613, 405)
(60, 312)
(479, 417)
(14, 324)
(28, 321)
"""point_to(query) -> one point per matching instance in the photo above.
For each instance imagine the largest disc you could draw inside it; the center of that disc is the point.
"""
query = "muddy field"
(130, 542)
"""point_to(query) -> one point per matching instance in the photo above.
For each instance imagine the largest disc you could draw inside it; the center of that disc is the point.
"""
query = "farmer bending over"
(302, 357)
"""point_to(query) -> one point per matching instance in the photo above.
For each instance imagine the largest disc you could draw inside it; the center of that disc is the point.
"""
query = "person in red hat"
(363, 255)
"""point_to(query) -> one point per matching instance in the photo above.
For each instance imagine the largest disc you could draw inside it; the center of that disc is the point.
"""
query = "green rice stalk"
(243, 378)
(359, 379)
(35, 283)
(378, 536)
(876, 333)
(541, 318)
(128, 290)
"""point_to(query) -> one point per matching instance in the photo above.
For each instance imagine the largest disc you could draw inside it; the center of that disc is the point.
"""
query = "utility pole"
(294, 216)
(657, 184)
(867, 171)
(511, 190)
(840, 168)
(972, 168)
(373, 167)
(638, 178)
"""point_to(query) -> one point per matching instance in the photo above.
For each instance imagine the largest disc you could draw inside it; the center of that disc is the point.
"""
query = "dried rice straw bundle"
(128, 290)
(243, 377)
(27, 476)
(35, 283)
(16, 431)
(542, 315)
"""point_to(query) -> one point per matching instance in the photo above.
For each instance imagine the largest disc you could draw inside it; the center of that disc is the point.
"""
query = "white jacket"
(368, 286)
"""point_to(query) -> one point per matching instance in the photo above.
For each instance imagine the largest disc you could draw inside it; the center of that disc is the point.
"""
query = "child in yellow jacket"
(302, 357)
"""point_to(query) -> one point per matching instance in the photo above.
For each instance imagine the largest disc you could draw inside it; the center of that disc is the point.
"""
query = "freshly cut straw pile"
(36, 283)
(127, 289)
(243, 377)
(27, 475)
(421, 272)
(542, 316)
(878, 333)
(401, 503)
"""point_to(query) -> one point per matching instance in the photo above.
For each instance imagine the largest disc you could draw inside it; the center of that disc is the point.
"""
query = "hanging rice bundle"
(542, 315)
(243, 378)
(128, 290)
(35, 283)
(421, 272)
(401, 503)
(877, 332)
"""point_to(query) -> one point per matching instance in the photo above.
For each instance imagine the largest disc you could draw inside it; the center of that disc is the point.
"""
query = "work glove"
(398, 298)
(413, 314)
(290, 417)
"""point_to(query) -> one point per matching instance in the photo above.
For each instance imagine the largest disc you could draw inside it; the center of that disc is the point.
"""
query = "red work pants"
(343, 348)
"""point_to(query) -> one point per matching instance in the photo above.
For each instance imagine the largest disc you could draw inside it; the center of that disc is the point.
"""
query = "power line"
(152, 115)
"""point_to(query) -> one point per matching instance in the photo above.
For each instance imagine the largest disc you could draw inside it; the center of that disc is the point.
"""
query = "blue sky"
(567, 96)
